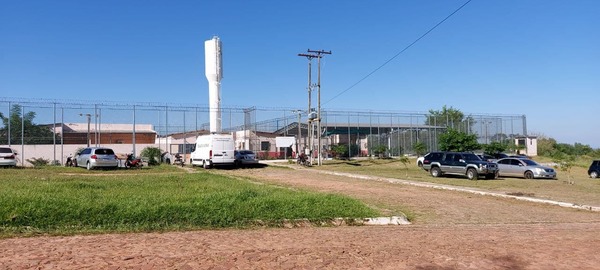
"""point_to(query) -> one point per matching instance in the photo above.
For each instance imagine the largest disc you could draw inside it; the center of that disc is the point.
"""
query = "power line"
(403, 50)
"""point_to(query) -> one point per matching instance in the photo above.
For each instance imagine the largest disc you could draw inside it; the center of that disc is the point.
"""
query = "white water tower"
(214, 74)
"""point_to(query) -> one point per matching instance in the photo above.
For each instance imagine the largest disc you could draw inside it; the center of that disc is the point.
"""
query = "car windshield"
(530, 162)
(246, 152)
(5, 151)
(470, 157)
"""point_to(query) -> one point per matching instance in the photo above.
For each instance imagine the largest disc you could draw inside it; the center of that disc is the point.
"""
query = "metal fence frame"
(400, 130)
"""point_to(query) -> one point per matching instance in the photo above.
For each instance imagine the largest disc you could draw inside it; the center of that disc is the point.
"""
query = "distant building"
(527, 145)
(77, 133)
(263, 143)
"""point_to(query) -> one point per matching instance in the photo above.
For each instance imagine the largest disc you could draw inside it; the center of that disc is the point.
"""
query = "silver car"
(7, 157)
(523, 167)
(245, 158)
(95, 157)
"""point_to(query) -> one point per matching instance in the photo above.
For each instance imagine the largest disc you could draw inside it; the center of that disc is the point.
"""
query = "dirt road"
(450, 230)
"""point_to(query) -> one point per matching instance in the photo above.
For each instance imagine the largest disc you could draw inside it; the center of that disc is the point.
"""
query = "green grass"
(55, 200)
(575, 187)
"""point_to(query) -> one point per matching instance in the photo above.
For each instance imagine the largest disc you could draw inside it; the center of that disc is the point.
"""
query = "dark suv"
(594, 169)
(459, 163)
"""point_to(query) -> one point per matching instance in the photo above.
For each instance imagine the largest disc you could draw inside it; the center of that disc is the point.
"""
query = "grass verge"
(70, 200)
(581, 189)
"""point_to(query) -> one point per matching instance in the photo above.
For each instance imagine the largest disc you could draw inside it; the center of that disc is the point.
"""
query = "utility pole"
(309, 111)
(314, 54)
(320, 55)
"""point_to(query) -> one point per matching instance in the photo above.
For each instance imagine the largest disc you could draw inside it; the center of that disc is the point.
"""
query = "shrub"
(38, 162)
(341, 151)
(380, 150)
(420, 148)
(152, 154)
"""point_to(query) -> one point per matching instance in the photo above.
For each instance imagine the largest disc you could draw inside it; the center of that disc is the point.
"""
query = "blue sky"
(534, 57)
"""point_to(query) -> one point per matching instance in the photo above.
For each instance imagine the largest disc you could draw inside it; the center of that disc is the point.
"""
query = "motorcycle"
(132, 162)
(303, 160)
(178, 160)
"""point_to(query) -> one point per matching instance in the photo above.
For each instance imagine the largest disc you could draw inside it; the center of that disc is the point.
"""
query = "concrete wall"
(61, 152)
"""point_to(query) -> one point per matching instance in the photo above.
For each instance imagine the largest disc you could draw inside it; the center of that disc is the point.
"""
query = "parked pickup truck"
(459, 163)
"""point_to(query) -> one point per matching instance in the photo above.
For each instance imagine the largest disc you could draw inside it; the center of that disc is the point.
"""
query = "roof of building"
(106, 128)
(187, 134)
(363, 128)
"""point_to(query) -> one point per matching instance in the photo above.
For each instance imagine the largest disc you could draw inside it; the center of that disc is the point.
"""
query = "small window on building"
(188, 148)
(265, 146)
(521, 142)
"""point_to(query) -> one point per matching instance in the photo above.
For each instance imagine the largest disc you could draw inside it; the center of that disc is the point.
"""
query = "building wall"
(530, 145)
(61, 152)
(109, 138)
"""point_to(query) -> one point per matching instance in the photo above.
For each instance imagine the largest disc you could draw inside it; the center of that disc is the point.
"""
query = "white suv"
(420, 161)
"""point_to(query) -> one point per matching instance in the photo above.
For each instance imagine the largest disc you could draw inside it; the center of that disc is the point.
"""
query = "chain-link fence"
(46, 122)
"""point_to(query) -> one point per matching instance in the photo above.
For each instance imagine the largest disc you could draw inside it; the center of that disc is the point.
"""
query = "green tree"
(565, 163)
(454, 140)
(341, 150)
(582, 149)
(451, 118)
(152, 154)
(380, 150)
(494, 148)
(420, 148)
(549, 147)
(33, 134)
(499, 137)
(546, 146)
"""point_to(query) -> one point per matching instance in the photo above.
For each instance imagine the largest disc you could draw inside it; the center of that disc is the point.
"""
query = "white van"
(213, 150)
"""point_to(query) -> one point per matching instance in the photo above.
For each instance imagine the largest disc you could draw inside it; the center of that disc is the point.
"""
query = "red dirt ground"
(450, 230)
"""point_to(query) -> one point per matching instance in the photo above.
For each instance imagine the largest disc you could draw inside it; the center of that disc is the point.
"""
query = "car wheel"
(594, 174)
(472, 174)
(435, 171)
(205, 164)
(89, 166)
(528, 175)
(420, 164)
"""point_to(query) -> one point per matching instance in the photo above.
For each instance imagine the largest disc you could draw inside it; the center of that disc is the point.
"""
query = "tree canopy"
(449, 117)
(454, 140)
(420, 148)
(494, 148)
(551, 148)
(32, 133)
